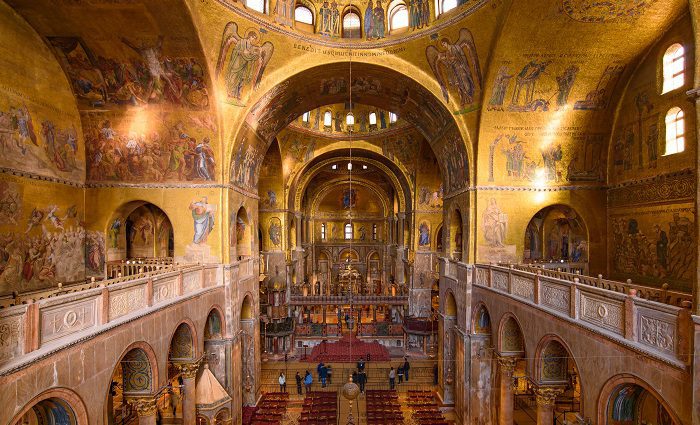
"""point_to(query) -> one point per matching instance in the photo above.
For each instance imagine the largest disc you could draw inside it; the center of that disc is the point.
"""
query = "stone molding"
(188, 370)
(506, 365)
(145, 406)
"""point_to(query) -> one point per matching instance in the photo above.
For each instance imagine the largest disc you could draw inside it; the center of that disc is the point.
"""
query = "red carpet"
(348, 349)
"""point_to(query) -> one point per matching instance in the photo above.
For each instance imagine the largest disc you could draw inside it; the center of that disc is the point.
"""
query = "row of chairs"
(425, 408)
(319, 408)
(271, 410)
(383, 407)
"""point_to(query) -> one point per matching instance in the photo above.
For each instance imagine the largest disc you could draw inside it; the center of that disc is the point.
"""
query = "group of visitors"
(401, 371)
(325, 374)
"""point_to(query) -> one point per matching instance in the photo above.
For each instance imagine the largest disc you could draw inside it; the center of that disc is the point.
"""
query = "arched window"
(675, 131)
(448, 5)
(303, 14)
(392, 117)
(257, 5)
(305, 117)
(372, 118)
(350, 119)
(348, 231)
(327, 119)
(674, 68)
(323, 231)
(398, 17)
(351, 25)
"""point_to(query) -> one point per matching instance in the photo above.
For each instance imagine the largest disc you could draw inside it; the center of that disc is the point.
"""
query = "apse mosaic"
(144, 75)
(42, 244)
(243, 58)
(150, 145)
(654, 245)
(456, 65)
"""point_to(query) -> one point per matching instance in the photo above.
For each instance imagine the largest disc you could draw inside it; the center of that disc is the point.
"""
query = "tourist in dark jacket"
(406, 368)
(362, 380)
(360, 365)
(400, 373)
(298, 378)
(322, 375)
(392, 378)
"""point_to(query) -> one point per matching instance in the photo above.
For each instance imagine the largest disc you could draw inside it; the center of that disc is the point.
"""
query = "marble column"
(546, 397)
(189, 397)
(402, 224)
(146, 409)
(506, 366)
(298, 218)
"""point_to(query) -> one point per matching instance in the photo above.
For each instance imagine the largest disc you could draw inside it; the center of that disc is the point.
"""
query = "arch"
(147, 375)
(439, 244)
(611, 394)
(304, 15)
(68, 403)
(481, 320)
(139, 229)
(183, 342)
(352, 22)
(675, 131)
(673, 66)
(247, 308)
(456, 234)
(556, 232)
(241, 230)
(555, 365)
(511, 339)
(349, 253)
(215, 325)
(450, 304)
(398, 20)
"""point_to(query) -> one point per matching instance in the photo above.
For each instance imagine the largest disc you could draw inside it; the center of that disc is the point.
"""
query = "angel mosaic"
(244, 60)
(457, 65)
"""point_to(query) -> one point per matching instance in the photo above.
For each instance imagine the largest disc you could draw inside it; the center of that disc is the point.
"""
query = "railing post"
(629, 315)
(685, 333)
(600, 281)
(510, 279)
(149, 292)
(201, 277)
(104, 305)
(537, 287)
(573, 299)
(490, 276)
(31, 327)
(179, 284)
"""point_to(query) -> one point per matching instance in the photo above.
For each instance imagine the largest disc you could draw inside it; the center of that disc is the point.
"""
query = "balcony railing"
(660, 330)
(662, 294)
(348, 299)
(36, 327)
(137, 266)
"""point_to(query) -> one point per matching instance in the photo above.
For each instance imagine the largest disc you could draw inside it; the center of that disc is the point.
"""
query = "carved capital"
(546, 396)
(145, 406)
(188, 370)
(507, 365)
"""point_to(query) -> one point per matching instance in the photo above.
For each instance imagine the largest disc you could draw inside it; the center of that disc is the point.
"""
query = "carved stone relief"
(500, 281)
(11, 337)
(555, 297)
(64, 320)
(523, 287)
(163, 290)
(127, 301)
(603, 313)
(656, 333)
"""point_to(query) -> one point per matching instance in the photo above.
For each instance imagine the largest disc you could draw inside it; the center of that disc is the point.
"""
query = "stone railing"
(246, 266)
(36, 328)
(659, 330)
(136, 266)
(563, 266)
(662, 294)
(348, 299)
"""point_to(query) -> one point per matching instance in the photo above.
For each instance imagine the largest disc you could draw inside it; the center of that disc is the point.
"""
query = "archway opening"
(631, 404)
(557, 367)
(132, 378)
(556, 233)
(49, 411)
(456, 229)
(243, 234)
(215, 346)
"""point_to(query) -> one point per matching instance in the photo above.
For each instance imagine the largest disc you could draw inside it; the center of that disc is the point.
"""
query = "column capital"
(188, 370)
(507, 363)
(145, 405)
(546, 396)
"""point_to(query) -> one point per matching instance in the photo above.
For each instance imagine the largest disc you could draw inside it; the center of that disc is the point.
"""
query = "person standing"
(308, 380)
(323, 374)
(392, 378)
(283, 382)
(406, 368)
(329, 374)
(362, 378)
(435, 374)
(400, 373)
(360, 365)
(298, 378)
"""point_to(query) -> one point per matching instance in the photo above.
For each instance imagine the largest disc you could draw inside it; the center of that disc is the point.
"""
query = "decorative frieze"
(500, 281)
(606, 314)
(190, 282)
(11, 337)
(555, 297)
(523, 287)
(482, 276)
(663, 188)
(65, 319)
(657, 333)
(163, 290)
(126, 301)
